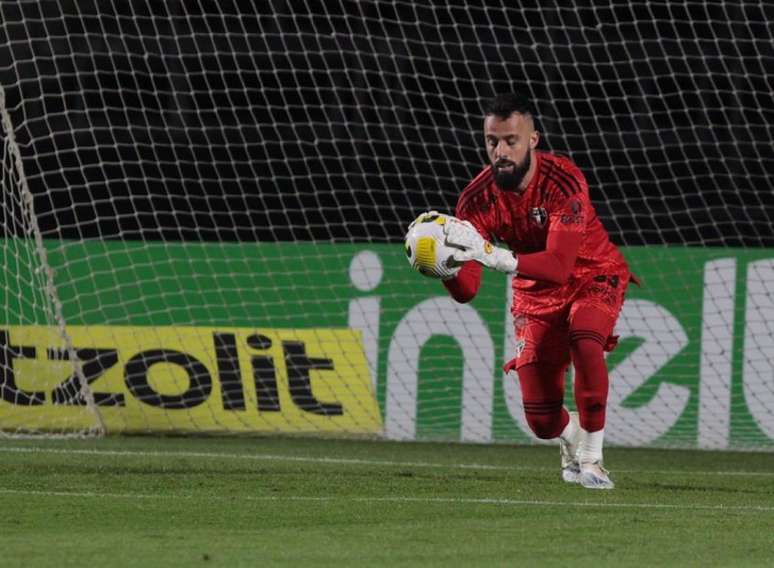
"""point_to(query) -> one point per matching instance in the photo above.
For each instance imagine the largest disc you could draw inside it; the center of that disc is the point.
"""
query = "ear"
(534, 138)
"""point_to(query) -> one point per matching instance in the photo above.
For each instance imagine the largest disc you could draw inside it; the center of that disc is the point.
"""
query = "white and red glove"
(463, 235)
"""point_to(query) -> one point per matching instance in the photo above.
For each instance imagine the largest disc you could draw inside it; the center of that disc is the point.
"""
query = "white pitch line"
(426, 500)
(353, 461)
(266, 457)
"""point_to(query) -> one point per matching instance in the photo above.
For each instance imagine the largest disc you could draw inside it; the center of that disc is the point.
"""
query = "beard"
(510, 180)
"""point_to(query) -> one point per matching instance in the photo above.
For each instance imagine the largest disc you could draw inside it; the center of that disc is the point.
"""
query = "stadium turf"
(142, 501)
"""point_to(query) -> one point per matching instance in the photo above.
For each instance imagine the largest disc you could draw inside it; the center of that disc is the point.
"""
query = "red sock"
(588, 336)
(591, 384)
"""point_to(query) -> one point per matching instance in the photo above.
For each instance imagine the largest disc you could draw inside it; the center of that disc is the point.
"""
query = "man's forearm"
(464, 287)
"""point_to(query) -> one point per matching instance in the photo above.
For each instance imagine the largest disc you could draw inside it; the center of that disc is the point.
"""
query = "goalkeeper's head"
(511, 138)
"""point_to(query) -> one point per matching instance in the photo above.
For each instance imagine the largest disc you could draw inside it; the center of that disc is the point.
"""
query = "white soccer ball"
(426, 247)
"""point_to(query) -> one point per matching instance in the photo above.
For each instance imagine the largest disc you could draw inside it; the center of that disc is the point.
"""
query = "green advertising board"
(694, 367)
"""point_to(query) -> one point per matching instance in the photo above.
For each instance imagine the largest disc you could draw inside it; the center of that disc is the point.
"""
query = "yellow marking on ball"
(426, 253)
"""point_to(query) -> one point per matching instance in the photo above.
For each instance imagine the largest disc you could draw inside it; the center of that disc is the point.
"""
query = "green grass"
(302, 502)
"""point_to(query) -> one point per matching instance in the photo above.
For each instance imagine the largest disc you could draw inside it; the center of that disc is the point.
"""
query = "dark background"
(342, 120)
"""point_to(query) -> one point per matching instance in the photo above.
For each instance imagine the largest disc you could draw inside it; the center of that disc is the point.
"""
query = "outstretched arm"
(554, 264)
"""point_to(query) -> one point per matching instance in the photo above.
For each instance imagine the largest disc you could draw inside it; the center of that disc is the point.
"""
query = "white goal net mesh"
(216, 194)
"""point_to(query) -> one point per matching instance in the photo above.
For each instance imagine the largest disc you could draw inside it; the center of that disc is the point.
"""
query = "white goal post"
(204, 204)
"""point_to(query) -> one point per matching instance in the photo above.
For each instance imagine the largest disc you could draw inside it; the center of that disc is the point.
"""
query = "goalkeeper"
(569, 280)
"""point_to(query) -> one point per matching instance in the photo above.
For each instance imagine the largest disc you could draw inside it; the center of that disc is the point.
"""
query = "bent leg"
(542, 391)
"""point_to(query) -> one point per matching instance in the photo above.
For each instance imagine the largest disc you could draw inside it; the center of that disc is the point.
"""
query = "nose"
(501, 150)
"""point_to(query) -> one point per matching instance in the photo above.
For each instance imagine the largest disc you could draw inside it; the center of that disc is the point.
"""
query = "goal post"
(204, 205)
(30, 298)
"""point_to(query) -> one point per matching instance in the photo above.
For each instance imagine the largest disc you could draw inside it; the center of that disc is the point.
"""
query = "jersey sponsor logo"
(575, 206)
(179, 378)
(539, 216)
(605, 288)
(612, 280)
(576, 215)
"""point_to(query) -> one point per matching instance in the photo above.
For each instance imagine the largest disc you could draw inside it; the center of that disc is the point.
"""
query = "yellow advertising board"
(188, 379)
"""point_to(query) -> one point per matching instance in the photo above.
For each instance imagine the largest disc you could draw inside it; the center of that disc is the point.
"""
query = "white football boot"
(594, 476)
(568, 449)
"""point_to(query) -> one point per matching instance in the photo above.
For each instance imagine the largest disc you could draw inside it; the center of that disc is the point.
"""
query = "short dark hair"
(505, 104)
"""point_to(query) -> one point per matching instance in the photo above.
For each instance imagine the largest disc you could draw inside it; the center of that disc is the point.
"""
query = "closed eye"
(510, 140)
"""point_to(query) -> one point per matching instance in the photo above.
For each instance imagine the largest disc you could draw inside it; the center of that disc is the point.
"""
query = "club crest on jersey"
(539, 216)
(519, 346)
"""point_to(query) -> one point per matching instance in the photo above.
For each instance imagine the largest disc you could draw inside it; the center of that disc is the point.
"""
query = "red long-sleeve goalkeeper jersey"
(551, 225)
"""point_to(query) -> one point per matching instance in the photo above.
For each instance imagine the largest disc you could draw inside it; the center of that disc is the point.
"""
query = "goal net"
(204, 204)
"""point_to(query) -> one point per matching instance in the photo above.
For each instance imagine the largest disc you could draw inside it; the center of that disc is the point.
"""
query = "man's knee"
(545, 419)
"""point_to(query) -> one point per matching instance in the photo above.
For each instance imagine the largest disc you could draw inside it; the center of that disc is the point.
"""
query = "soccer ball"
(426, 247)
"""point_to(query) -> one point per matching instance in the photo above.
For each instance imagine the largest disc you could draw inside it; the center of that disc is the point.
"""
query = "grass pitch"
(319, 502)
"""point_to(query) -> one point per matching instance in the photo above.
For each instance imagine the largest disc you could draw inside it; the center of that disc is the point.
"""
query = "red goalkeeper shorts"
(545, 338)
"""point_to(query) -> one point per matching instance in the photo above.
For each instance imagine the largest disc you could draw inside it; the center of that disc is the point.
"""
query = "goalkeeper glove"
(463, 234)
